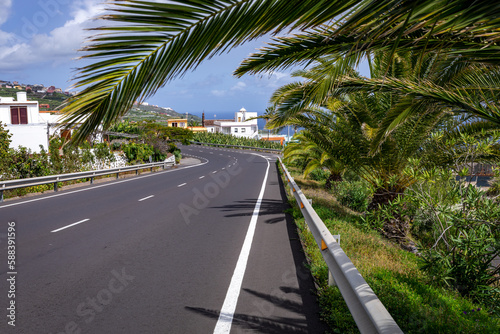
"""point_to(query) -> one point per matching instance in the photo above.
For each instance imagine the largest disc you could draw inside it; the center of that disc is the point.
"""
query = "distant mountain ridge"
(54, 99)
(153, 112)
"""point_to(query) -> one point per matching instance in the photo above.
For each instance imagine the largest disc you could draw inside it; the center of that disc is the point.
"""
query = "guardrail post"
(1, 196)
(55, 186)
(117, 175)
(331, 280)
(151, 169)
(92, 180)
(136, 172)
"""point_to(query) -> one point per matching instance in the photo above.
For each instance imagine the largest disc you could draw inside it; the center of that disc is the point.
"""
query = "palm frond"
(151, 43)
(147, 44)
(458, 99)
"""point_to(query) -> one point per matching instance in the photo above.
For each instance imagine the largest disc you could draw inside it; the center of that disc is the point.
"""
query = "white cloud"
(239, 86)
(7, 38)
(59, 45)
(4, 13)
(280, 75)
(274, 80)
(218, 93)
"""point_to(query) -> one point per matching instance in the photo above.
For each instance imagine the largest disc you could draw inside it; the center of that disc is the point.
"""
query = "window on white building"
(243, 129)
(19, 115)
(235, 130)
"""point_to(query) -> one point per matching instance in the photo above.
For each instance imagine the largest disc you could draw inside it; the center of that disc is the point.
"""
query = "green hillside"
(54, 100)
(154, 113)
(137, 113)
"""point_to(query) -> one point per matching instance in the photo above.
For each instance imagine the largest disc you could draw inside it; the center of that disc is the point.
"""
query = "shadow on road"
(286, 307)
(259, 323)
(245, 209)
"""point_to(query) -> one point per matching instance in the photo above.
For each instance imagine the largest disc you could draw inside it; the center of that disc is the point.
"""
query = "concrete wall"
(235, 128)
(241, 131)
(244, 116)
(29, 136)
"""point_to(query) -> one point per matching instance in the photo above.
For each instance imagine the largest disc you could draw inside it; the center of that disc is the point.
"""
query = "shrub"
(228, 139)
(457, 227)
(116, 146)
(24, 164)
(178, 156)
(394, 221)
(137, 153)
(319, 174)
(64, 158)
(494, 189)
(103, 153)
(468, 241)
(355, 194)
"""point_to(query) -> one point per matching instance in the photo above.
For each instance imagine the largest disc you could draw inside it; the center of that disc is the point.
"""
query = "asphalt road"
(197, 249)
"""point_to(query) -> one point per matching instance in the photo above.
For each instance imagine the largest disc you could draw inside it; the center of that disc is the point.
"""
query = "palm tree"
(346, 123)
(457, 83)
(147, 44)
(309, 156)
(193, 122)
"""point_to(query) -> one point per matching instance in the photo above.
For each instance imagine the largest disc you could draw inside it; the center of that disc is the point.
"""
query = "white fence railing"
(367, 310)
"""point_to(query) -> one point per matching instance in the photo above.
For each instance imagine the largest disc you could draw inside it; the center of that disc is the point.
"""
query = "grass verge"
(415, 304)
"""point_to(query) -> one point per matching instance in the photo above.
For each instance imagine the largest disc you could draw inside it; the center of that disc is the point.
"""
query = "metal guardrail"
(36, 181)
(239, 146)
(368, 312)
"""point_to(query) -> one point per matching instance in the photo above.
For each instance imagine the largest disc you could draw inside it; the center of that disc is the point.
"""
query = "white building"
(28, 127)
(241, 126)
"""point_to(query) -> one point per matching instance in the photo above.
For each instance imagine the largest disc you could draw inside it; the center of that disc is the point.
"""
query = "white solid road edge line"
(180, 185)
(227, 312)
(145, 198)
(65, 227)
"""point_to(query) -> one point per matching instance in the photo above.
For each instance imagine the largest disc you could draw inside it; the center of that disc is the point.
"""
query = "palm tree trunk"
(398, 226)
(383, 196)
(334, 177)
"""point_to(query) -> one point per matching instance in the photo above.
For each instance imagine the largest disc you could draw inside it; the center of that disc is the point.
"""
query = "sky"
(40, 39)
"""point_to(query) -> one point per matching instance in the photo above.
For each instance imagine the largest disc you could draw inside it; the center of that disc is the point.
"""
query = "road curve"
(158, 253)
